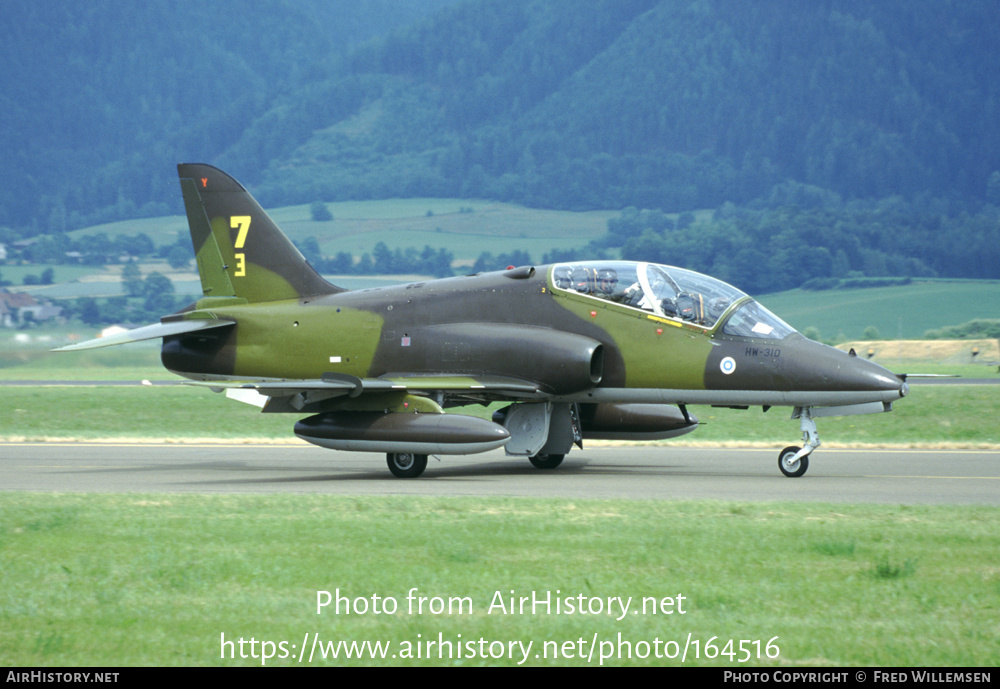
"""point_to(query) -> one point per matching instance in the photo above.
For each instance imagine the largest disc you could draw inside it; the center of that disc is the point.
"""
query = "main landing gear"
(793, 461)
(546, 461)
(406, 464)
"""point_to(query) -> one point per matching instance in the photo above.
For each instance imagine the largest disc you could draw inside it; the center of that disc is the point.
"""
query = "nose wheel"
(793, 461)
(789, 465)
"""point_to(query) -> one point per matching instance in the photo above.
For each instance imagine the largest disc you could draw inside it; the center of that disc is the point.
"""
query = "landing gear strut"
(406, 464)
(793, 461)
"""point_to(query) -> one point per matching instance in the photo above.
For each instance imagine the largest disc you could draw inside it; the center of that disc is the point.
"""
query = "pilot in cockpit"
(582, 279)
(608, 288)
(607, 282)
(691, 307)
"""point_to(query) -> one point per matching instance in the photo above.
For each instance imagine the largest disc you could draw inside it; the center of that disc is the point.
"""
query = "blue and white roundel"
(728, 365)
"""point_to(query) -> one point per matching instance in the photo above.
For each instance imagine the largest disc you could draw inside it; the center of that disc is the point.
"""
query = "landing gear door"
(542, 428)
(564, 430)
(529, 428)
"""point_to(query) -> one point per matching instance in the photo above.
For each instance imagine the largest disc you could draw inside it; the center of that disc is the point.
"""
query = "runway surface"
(657, 473)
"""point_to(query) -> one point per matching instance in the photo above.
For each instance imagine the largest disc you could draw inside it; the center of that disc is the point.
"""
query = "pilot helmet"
(689, 306)
(581, 279)
(561, 276)
(669, 307)
(607, 280)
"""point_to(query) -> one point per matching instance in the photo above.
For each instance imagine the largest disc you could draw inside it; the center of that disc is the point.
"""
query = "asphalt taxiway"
(657, 473)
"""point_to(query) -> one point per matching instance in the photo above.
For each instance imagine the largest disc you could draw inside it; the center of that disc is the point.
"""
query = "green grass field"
(166, 579)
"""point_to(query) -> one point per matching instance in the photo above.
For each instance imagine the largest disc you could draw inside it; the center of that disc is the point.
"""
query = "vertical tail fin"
(240, 250)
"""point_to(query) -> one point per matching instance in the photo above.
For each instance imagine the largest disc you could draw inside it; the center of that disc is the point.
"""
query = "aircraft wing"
(303, 395)
(149, 332)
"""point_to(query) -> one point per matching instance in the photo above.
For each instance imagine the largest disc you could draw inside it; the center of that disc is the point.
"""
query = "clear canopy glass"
(671, 292)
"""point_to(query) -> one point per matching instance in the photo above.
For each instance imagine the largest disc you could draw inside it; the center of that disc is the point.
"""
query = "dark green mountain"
(99, 100)
(558, 103)
(658, 104)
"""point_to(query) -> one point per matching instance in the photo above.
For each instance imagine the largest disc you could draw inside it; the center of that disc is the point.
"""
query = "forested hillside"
(672, 105)
(100, 100)
(874, 124)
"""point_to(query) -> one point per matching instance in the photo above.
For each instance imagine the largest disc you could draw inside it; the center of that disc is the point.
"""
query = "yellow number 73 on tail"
(243, 223)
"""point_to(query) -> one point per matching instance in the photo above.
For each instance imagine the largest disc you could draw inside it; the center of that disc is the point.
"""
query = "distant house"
(17, 308)
(11, 304)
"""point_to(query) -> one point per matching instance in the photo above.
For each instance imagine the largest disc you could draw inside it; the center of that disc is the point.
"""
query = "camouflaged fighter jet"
(579, 350)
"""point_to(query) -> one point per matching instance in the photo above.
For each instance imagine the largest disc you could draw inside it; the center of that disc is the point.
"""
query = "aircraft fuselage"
(519, 324)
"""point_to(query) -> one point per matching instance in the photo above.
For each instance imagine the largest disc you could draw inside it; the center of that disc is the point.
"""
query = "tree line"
(97, 249)
(771, 249)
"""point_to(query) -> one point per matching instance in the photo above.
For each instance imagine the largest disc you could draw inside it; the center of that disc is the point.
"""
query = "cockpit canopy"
(673, 293)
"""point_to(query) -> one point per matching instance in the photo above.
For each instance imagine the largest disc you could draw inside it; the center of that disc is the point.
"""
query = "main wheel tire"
(406, 464)
(788, 467)
(547, 461)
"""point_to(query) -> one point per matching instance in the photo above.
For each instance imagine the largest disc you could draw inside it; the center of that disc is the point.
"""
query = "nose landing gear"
(793, 461)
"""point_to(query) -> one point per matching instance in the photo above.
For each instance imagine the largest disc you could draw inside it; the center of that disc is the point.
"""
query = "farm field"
(465, 227)
(903, 312)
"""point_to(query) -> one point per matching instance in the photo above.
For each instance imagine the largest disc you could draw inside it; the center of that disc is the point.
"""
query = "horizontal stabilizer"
(148, 332)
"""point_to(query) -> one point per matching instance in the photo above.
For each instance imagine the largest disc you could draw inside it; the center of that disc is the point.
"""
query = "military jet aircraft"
(574, 351)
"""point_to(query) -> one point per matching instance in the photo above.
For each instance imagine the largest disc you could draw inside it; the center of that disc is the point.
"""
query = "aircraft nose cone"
(801, 369)
(861, 374)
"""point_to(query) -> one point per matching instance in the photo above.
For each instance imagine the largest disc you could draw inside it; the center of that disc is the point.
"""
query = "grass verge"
(164, 579)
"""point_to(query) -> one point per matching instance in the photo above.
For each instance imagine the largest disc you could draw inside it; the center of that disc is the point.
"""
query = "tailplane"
(240, 250)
